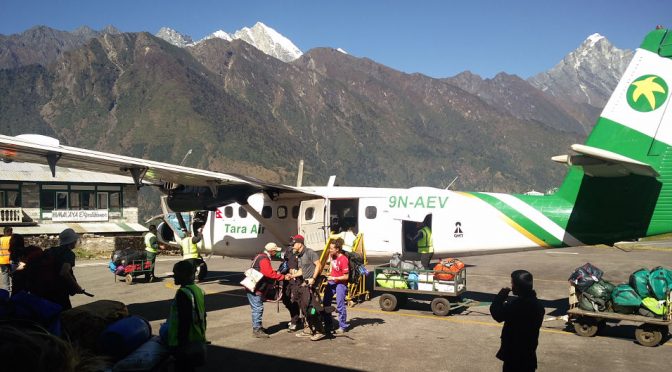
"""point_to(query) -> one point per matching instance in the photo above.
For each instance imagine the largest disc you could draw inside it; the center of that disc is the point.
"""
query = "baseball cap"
(272, 247)
(298, 238)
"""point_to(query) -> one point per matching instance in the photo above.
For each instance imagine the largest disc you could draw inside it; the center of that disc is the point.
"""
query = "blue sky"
(436, 38)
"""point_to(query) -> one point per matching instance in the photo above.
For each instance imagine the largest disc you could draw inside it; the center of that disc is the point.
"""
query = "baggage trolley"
(137, 268)
(445, 294)
(649, 332)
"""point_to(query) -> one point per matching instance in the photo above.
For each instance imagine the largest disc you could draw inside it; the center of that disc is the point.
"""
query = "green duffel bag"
(639, 281)
(391, 281)
(658, 308)
(659, 283)
(624, 295)
(601, 290)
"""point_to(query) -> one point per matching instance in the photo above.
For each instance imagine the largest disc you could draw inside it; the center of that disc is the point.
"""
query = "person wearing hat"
(262, 263)
(522, 317)
(51, 276)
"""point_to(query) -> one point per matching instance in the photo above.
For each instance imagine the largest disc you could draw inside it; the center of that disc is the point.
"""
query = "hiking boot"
(259, 333)
(340, 331)
(292, 328)
(317, 336)
(303, 334)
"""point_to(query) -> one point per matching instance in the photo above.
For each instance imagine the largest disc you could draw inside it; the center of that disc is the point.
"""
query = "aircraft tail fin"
(625, 167)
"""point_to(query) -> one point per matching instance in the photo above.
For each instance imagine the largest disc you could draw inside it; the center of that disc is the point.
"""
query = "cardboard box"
(426, 286)
(444, 286)
(426, 278)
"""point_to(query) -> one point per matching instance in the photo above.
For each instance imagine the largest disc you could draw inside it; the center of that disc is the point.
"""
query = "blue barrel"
(124, 336)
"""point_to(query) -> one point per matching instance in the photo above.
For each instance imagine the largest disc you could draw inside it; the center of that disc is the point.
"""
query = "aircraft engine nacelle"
(165, 235)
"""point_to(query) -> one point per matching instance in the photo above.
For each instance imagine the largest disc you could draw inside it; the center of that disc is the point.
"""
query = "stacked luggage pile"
(122, 261)
(646, 293)
(405, 274)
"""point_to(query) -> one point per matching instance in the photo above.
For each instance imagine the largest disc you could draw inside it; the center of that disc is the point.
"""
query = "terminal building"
(33, 202)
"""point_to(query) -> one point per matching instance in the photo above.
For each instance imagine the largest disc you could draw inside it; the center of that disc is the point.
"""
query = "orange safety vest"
(4, 250)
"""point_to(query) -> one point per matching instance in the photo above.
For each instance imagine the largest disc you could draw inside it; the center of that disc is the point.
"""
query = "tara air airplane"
(618, 187)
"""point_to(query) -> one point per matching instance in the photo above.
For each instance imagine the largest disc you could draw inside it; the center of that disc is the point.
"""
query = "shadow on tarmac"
(243, 360)
(158, 310)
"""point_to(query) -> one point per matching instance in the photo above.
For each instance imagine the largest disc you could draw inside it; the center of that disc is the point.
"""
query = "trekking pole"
(88, 294)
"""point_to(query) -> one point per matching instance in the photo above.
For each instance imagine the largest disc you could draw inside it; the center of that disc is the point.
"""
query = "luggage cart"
(136, 268)
(445, 294)
(649, 331)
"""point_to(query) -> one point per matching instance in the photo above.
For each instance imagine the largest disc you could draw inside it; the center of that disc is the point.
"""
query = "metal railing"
(11, 215)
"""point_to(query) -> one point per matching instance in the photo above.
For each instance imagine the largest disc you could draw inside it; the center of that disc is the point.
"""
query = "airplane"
(618, 187)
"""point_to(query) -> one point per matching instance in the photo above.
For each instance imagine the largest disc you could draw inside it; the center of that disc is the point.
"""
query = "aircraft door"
(312, 226)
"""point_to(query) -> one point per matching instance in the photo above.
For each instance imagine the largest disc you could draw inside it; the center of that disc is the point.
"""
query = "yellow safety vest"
(150, 242)
(4, 250)
(425, 244)
(189, 249)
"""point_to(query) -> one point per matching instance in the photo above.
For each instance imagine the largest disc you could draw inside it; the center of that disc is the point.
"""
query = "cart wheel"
(388, 302)
(129, 279)
(440, 306)
(648, 335)
(586, 327)
(148, 277)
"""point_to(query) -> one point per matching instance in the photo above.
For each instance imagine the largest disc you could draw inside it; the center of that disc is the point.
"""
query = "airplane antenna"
(185, 157)
(299, 176)
(451, 182)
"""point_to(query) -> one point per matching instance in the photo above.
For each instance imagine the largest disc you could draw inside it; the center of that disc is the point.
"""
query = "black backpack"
(355, 261)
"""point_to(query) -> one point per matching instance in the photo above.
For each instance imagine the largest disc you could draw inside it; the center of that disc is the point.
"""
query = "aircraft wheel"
(129, 279)
(388, 302)
(648, 335)
(440, 306)
(586, 327)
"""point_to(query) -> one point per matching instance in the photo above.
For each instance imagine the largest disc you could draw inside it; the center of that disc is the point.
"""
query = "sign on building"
(80, 215)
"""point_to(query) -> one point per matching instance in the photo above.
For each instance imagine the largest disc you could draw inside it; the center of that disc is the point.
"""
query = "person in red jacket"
(262, 263)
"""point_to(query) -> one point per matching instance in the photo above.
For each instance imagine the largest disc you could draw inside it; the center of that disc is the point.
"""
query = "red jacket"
(266, 268)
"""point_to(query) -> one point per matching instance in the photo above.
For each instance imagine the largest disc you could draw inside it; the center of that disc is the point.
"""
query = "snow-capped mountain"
(174, 37)
(260, 36)
(269, 41)
(586, 75)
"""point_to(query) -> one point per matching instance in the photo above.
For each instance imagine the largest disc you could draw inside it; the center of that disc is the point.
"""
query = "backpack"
(589, 302)
(446, 268)
(43, 273)
(356, 266)
(585, 276)
(639, 281)
(659, 283)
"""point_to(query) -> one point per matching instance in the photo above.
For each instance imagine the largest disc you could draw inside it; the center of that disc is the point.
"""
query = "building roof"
(81, 228)
(29, 172)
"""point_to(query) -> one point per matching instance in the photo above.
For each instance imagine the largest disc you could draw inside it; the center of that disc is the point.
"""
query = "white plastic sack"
(252, 277)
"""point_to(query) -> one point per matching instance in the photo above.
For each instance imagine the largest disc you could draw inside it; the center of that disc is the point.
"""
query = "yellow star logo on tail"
(646, 88)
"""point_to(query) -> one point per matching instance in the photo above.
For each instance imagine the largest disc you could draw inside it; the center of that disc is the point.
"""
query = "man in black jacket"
(522, 317)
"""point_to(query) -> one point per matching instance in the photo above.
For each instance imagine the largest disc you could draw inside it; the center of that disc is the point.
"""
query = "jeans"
(5, 279)
(341, 290)
(257, 309)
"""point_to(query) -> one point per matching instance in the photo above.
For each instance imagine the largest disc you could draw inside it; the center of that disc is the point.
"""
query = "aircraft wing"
(46, 150)
(602, 163)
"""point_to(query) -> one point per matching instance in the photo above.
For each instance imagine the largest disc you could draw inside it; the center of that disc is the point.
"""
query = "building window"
(61, 200)
(267, 211)
(115, 200)
(10, 196)
(103, 200)
(228, 212)
(88, 199)
(282, 212)
(242, 212)
(295, 211)
(371, 212)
